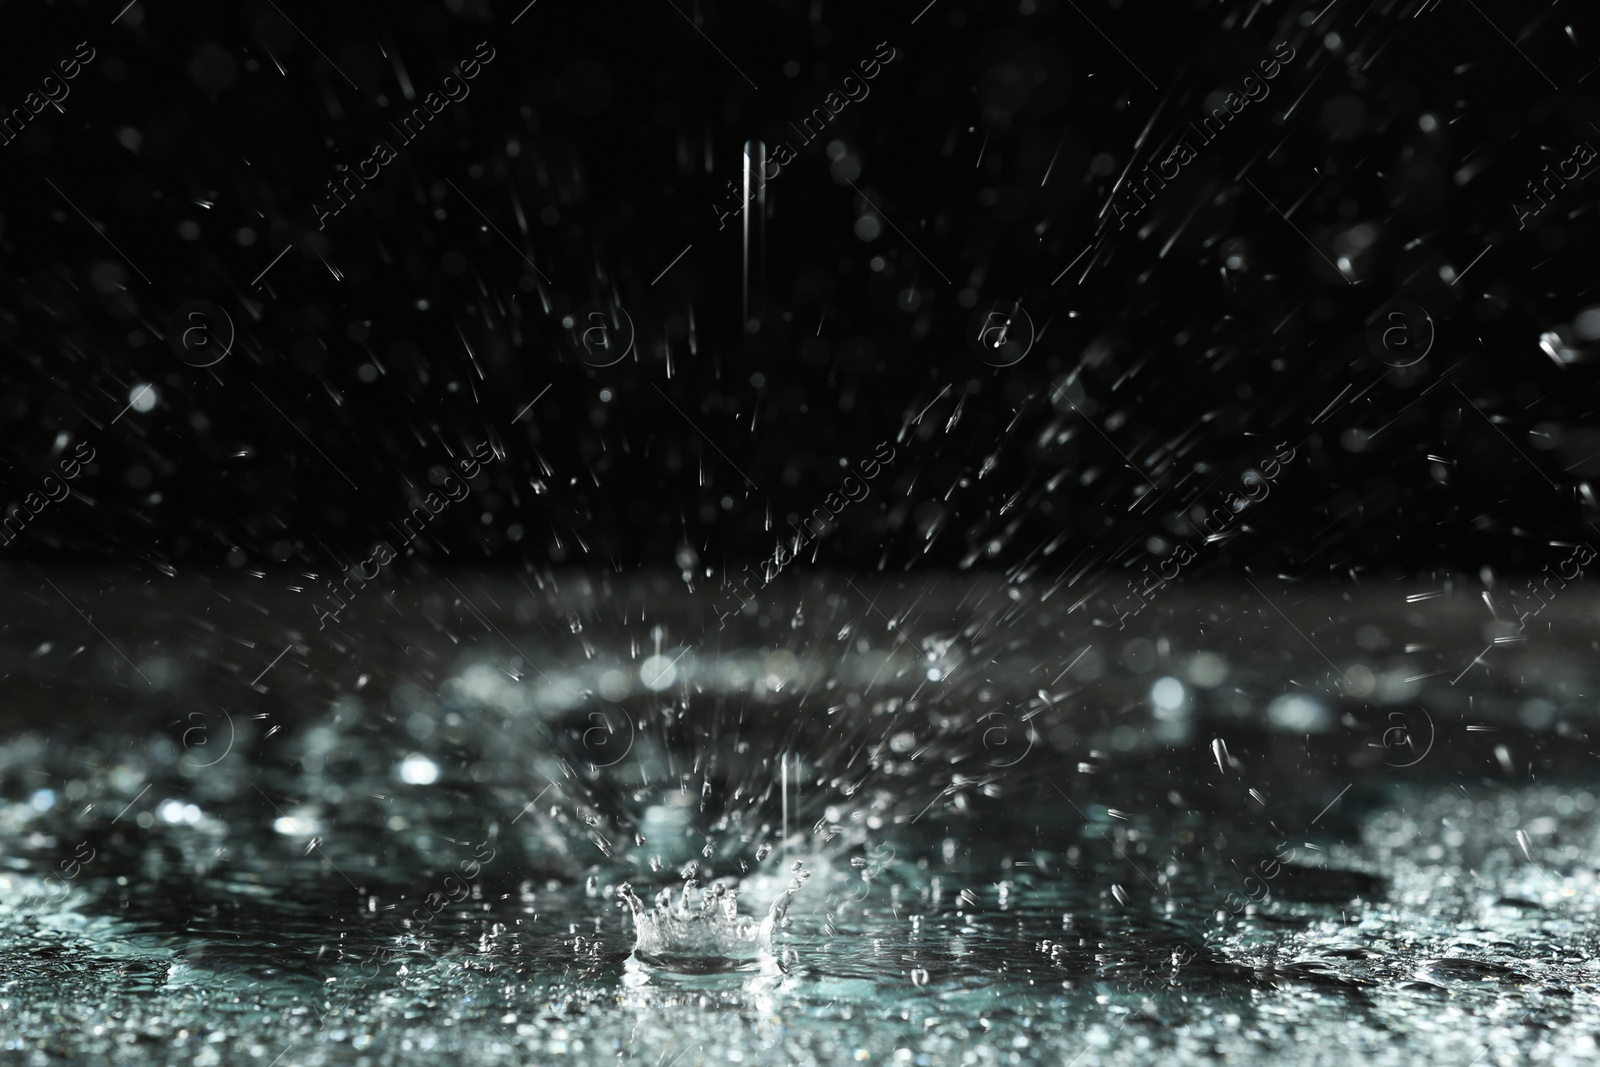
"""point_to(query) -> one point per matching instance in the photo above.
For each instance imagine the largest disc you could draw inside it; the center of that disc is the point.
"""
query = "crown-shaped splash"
(701, 931)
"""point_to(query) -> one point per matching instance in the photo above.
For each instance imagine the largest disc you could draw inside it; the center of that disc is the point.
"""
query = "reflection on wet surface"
(424, 865)
(1422, 934)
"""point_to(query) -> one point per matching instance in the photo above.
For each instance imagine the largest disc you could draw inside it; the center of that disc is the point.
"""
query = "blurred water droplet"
(1503, 754)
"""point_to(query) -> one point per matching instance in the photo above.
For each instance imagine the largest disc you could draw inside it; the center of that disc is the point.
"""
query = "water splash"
(702, 932)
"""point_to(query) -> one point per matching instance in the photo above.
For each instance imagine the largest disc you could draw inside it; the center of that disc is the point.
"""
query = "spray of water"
(701, 931)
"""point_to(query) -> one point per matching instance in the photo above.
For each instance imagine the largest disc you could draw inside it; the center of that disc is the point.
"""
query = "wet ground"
(1031, 839)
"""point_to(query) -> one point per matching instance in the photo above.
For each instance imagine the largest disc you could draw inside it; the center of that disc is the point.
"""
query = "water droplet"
(658, 673)
(418, 770)
(1503, 754)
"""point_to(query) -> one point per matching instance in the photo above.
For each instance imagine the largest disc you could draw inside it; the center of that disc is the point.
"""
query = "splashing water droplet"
(702, 931)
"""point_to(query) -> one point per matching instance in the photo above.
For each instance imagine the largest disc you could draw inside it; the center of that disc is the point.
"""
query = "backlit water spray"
(700, 931)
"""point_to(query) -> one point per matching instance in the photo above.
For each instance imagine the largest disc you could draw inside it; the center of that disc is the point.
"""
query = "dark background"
(1188, 344)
